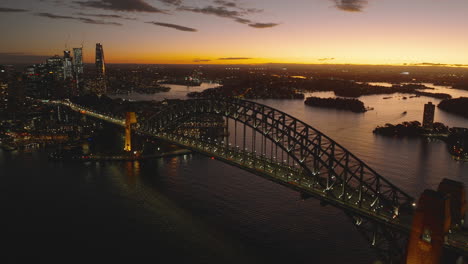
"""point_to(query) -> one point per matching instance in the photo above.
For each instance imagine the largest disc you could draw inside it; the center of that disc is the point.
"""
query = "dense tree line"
(458, 106)
(353, 105)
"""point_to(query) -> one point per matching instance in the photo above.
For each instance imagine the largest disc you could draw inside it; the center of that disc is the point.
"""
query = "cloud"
(174, 26)
(220, 11)
(226, 3)
(236, 15)
(105, 16)
(81, 19)
(326, 59)
(200, 60)
(438, 64)
(21, 58)
(235, 58)
(242, 20)
(351, 5)
(123, 5)
(263, 25)
(11, 10)
(171, 2)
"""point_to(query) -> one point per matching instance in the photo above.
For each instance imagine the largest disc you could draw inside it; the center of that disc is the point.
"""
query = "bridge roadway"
(291, 177)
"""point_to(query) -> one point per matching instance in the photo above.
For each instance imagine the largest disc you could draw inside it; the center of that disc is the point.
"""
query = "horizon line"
(440, 65)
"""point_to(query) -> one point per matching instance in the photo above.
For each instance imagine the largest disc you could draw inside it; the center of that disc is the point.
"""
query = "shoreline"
(92, 157)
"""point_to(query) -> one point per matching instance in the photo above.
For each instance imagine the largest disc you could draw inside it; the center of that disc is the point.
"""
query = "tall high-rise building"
(78, 60)
(100, 63)
(428, 117)
(55, 67)
(100, 70)
(67, 65)
(78, 68)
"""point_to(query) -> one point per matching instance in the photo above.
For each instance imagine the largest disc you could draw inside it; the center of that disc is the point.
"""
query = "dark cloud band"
(12, 10)
(81, 19)
(263, 25)
(351, 5)
(235, 58)
(122, 5)
(174, 26)
(105, 16)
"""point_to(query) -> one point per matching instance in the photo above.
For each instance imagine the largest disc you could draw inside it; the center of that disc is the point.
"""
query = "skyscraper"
(67, 65)
(100, 70)
(78, 66)
(428, 117)
(55, 66)
(78, 61)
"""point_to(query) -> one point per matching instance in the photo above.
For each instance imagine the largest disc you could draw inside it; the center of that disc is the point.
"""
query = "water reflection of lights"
(173, 167)
(132, 169)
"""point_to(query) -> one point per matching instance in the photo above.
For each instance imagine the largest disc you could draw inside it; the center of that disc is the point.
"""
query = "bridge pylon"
(130, 118)
(437, 212)
(456, 192)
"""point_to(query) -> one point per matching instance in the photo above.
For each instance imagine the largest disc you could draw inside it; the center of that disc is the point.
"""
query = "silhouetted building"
(67, 65)
(55, 67)
(78, 60)
(78, 67)
(100, 63)
(16, 93)
(51, 79)
(3, 95)
(100, 70)
(428, 117)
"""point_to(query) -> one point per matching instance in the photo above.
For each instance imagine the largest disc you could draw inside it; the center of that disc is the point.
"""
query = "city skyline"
(239, 32)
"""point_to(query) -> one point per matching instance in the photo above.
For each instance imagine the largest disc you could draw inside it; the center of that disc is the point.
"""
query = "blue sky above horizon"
(235, 31)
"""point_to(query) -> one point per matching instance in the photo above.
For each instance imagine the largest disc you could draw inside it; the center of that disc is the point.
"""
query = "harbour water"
(194, 209)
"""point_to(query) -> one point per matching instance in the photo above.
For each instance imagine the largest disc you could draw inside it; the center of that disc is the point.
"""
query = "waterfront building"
(428, 117)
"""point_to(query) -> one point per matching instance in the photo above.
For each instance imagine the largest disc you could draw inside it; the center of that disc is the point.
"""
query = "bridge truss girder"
(329, 164)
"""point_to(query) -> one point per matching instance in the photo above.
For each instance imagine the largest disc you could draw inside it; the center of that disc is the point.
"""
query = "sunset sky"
(238, 31)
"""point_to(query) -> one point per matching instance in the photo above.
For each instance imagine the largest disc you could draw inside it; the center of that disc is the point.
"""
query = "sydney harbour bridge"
(273, 144)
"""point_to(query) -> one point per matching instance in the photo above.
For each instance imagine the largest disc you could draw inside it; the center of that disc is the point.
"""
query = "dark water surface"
(191, 209)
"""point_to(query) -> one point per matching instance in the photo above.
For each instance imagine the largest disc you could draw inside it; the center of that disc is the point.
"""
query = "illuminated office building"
(67, 65)
(78, 67)
(100, 70)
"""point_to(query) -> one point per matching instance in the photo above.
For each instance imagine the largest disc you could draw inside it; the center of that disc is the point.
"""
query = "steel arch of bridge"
(335, 174)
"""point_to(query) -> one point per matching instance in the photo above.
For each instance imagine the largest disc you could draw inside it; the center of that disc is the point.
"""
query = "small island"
(455, 137)
(352, 105)
(457, 106)
(461, 85)
(273, 92)
(355, 89)
(411, 129)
